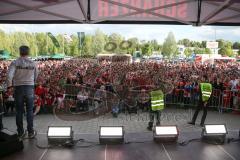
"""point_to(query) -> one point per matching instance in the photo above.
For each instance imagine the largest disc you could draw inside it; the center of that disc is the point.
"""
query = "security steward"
(157, 105)
(205, 89)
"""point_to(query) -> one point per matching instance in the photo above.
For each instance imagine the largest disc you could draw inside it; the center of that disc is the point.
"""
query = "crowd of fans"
(179, 79)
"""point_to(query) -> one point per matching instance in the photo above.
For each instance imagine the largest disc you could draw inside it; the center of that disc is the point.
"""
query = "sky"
(142, 32)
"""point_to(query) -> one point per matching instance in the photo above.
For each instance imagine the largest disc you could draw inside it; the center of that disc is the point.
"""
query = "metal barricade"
(83, 103)
(127, 98)
(216, 99)
(226, 100)
(235, 99)
(182, 97)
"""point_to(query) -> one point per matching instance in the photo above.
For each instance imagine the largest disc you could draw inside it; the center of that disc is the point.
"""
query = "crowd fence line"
(221, 100)
(120, 95)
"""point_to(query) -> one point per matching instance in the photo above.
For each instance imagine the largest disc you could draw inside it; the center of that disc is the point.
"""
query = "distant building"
(181, 49)
(235, 51)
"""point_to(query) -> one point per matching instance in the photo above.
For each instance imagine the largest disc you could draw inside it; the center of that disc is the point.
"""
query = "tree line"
(94, 44)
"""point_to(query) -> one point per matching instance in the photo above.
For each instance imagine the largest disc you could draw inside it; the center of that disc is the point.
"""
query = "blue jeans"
(24, 93)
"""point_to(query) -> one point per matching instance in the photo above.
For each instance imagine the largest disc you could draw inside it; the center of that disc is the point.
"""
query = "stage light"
(165, 134)
(214, 133)
(215, 129)
(111, 134)
(60, 135)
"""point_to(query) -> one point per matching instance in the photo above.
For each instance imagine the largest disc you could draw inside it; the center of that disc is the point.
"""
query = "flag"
(67, 38)
(81, 37)
(54, 40)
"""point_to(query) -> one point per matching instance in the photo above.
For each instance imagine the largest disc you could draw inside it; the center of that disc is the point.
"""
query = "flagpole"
(63, 44)
(34, 36)
(34, 40)
(80, 45)
(47, 43)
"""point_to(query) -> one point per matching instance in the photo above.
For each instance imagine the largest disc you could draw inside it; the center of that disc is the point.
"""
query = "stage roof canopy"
(190, 12)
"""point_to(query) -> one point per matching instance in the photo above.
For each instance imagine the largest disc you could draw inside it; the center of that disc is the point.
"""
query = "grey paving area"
(132, 122)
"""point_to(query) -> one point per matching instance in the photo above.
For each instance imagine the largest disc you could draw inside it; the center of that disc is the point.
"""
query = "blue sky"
(143, 32)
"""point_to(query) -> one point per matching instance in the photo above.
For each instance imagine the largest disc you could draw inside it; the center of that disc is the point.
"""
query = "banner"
(54, 40)
(212, 45)
(81, 37)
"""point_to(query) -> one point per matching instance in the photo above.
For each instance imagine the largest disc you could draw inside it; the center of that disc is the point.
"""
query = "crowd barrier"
(225, 100)
(221, 100)
(127, 99)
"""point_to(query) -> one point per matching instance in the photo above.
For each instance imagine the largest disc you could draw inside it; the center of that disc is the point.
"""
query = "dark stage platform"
(139, 151)
(136, 134)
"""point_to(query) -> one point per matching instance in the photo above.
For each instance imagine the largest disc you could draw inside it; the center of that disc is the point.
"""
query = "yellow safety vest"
(206, 91)
(157, 100)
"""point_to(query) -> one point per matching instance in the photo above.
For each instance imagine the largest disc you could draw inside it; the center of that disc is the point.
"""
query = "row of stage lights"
(115, 134)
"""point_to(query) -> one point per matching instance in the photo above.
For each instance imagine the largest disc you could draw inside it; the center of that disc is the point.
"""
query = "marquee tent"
(57, 56)
(190, 12)
(4, 54)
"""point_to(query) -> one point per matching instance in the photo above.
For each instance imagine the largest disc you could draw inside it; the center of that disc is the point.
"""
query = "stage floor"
(135, 128)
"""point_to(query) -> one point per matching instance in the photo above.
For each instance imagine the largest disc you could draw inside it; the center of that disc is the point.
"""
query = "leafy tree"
(135, 45)
(236, 45)
(53, 50)
(42, 42)
(74, 47)
(117, 39)
(226, 51)
(155, 45)
(204, 44)
(169, 46)
(188, 52)
(199, 51)
(87, 49)
(185, 42)
(226, 48)
(98, 42)
(147, 49)
(221, 43)
(196, 44)
(208, 51)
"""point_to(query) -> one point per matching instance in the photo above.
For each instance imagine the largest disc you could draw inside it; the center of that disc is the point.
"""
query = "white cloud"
(3, 27)
(236, 32)
(15, 28)
(20, 28)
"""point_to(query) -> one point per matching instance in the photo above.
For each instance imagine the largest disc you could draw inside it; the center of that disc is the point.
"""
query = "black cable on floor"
(231, 140)
(129, 142)
(83, 141)
(184, 143)
(69, 144)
